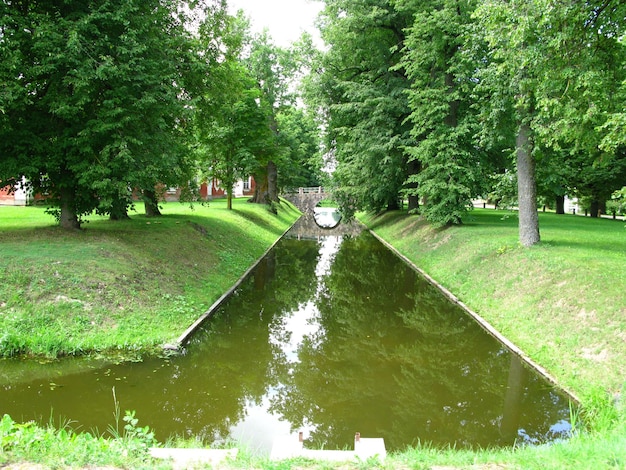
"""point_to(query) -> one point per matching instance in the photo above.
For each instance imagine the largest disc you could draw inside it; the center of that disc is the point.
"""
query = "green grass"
(57, 446)
(141, 281)
(563, 302)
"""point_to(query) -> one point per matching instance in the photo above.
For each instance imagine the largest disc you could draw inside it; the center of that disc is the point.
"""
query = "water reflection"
(330, 335)
(326, 217)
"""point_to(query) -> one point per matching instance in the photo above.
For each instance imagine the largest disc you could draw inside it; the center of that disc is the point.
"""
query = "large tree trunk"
(151, 203)
(68, 218)
(560, 204)
(526, 188)
(260, 190)
(272, 182)
(266, 189)
(393, 205)
(414, 167)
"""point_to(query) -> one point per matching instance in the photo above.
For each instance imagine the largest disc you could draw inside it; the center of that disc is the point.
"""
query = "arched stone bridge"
(306, 228)
(307, 198)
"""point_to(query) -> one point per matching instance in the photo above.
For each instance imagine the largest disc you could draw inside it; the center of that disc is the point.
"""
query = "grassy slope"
(562, 302)
(141, 281)
(571, 286)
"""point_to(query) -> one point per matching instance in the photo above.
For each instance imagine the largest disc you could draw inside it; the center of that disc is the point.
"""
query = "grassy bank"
(562, 302)
(140, 281)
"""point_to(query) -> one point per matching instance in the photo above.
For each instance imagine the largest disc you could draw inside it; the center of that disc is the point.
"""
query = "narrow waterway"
(329, 335)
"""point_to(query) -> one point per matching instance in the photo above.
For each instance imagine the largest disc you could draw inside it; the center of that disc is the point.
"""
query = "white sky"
(286, 20)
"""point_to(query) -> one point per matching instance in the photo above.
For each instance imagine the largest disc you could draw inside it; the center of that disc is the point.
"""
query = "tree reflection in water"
(392, 358)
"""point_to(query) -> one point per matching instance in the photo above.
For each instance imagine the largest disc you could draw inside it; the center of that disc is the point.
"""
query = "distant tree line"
(437, 102)
(103, 99)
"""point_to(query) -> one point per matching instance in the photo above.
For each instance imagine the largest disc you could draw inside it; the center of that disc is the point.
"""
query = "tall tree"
(439, 98)
(299, 137)
(230, 125)
(231, 138)
(554, 65)
(94, 100)
(583, 94)
(273, 68)
(361, 90)
(514, 32)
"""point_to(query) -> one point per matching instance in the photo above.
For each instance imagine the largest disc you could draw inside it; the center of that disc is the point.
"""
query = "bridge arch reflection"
(307, 228)
(326, 217)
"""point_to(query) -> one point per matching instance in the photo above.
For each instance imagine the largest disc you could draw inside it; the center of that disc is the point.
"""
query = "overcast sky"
(285, 19)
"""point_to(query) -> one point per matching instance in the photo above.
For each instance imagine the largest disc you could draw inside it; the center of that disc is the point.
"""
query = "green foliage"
(617, 204)
(97, 98)
(503, 190)
(62, 447)
(427, 99)
(299, 136)
(273, 68)
(547, 64)
(141, 437)
(363, 101)
(232, 128)
(439, 98)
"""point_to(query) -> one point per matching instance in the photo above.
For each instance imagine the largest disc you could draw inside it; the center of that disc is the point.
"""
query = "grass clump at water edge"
(60, 447)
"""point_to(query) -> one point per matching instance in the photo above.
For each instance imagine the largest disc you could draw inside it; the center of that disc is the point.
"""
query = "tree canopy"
(103, 100)
(445, 101)
(94, 100)
(432, 102)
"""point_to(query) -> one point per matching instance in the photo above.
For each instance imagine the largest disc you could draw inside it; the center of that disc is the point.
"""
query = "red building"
(21, 197)
(15, 197)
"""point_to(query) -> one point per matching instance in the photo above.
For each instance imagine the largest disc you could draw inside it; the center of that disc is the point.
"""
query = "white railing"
(312, 190)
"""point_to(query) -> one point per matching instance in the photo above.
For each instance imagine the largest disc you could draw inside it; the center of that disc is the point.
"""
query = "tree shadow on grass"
(491, 218)
(388, 218)
(257, 220)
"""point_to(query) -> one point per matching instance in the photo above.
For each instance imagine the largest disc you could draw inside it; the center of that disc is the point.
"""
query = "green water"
(329, 336)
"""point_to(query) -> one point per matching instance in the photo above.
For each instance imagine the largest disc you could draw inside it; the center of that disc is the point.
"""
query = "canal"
(329, 335)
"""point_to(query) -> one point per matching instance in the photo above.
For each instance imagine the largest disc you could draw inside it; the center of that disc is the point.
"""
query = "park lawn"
(126, 287)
